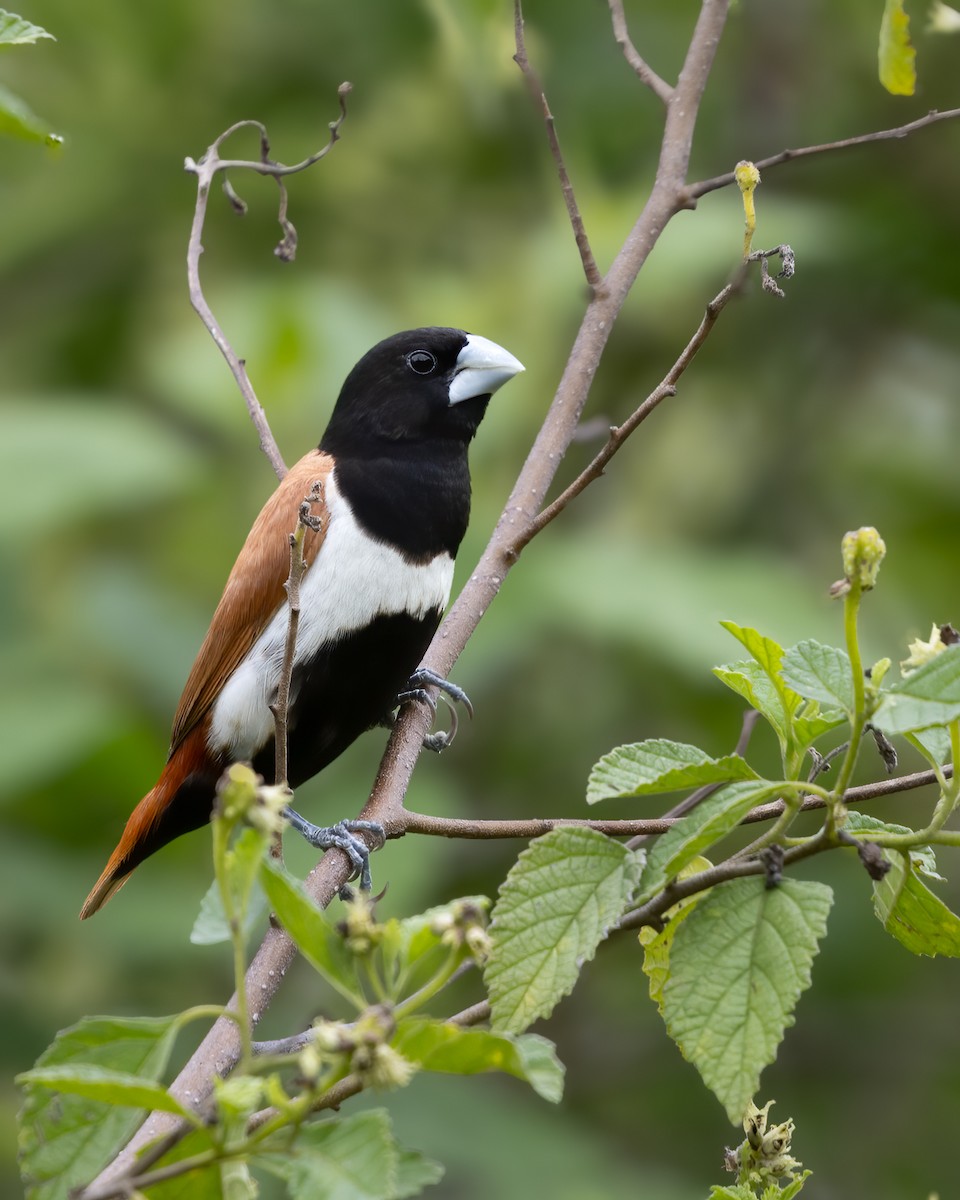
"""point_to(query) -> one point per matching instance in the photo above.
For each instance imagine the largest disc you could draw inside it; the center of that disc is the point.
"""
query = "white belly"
(353, 579)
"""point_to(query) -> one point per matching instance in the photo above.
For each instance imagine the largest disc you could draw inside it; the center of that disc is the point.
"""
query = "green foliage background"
(129, 474)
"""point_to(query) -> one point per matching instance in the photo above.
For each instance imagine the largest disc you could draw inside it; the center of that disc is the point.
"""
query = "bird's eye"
(421, 361)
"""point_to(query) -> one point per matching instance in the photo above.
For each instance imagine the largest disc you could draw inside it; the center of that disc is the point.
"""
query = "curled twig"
(206, 169)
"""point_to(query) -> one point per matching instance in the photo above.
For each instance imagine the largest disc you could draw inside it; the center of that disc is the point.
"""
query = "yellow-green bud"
(863, 551)
(746, 175)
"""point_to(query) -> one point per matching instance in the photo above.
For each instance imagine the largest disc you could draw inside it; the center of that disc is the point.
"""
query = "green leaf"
(65, 1139)
(896, 55)
(645, 768)
(15, 31)
(807, 728)
(930, 695)
(916, 917)
(320, 944)
(106, 1086)
(441, 1046)
(761, 682)
(18, 120)
(415, 1172)
(555, 907)
(241, 865)
(933, 743)
(195, 1185)
(348, 1158)
(820, 672)
(738, 965)
(657, 944)
(698, 830)
(211, 926)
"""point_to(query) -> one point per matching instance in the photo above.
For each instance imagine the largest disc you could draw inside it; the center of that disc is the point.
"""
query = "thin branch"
(696, 190)
(206, 170)
(590, 268)
(667, 387)
(280, 704)
(660, 88)
(462, 827)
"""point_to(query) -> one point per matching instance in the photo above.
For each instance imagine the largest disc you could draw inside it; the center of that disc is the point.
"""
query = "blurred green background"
(129, 474)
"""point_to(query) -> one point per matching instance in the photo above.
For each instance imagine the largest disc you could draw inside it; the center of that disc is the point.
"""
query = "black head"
(417, 387)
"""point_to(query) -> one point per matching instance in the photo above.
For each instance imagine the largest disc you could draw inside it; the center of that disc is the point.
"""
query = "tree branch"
(660, 88)
(696, 190)
(590, 268)
(619, 433)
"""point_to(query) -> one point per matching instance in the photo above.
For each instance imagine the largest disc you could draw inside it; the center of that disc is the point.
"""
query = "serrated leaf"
(820, 672)
(710, 821)
(773, 697)
(658, 765)
(896, 55)
(738, 965)
(749, 680)
(930, 695)
(66, 1139)
(18, 120)
(914, 915)
(555, 907)
(103, 1085)
(415, 1172)
(319, 943)
(15, 31)
(441, 1046)
(347, 1158)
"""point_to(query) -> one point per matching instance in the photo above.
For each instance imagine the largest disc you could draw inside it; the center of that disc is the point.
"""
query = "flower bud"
(863, 551)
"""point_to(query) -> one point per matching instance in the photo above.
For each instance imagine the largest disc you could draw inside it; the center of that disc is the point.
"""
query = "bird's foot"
(342, 836)
(415, 689)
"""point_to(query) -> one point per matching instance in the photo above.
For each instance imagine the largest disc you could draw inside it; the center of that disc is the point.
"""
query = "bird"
(390, 488)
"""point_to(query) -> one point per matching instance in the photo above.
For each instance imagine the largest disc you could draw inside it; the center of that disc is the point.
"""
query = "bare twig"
(280, 704)
(696, 190)
(590, 268)
(206, 170)
(660, 88)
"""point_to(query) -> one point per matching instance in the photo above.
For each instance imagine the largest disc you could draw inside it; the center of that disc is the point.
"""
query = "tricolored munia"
(394, 488)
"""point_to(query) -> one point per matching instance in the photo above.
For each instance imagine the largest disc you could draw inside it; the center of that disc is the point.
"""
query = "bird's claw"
(416, 689)
(342, 836)
(423, 678)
